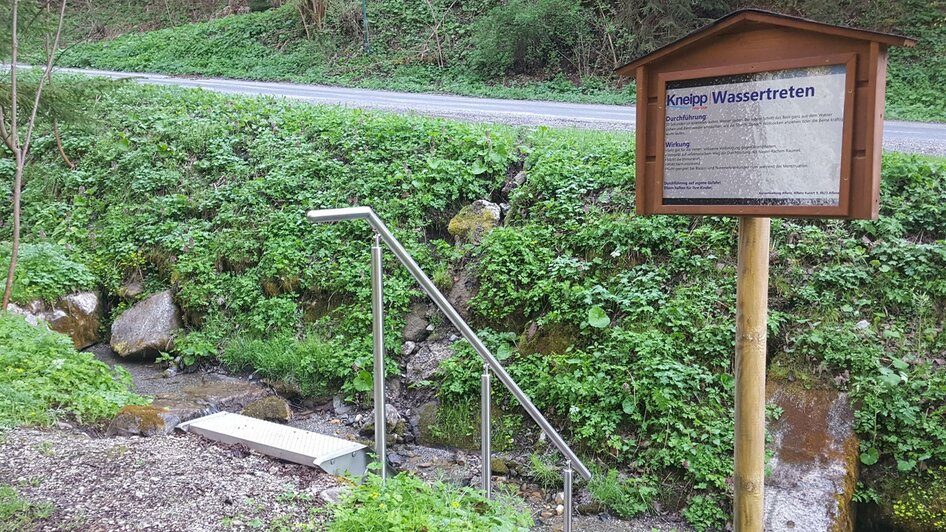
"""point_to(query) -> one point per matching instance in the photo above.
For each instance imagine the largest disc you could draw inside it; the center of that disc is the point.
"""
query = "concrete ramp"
(332, 455)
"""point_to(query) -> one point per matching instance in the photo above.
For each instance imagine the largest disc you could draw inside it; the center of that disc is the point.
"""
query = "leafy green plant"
(704, 513)
(45, 272)
(42, 377)
(218, 213)
(405, 502)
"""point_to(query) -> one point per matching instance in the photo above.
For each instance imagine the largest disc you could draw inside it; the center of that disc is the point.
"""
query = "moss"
(919, 502)
(272, 408)
(786, 367)
(549, 339)
(472, 223)
(147, 419)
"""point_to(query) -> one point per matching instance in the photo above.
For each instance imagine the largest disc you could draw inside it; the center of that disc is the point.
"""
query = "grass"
(268, 46)
(18, 514)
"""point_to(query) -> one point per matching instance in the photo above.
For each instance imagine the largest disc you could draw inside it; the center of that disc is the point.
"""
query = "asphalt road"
(899, 136)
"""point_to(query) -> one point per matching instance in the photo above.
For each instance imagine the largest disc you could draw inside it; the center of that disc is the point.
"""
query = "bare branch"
(62, 151)
(13, 63)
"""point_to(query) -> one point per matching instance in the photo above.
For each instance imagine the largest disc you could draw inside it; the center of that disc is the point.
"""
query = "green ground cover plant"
(405, 502)
(619, 327)
(43, 378)
(18, 514)
(531, 49)
(46, 272)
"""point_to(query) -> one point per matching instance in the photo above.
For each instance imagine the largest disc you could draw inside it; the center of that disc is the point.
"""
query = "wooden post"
(752, 290)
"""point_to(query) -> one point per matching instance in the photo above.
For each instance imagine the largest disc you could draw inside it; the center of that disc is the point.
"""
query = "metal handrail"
(366, 213)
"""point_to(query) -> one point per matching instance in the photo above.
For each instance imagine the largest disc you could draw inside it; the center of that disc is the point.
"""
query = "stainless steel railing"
(382, 233)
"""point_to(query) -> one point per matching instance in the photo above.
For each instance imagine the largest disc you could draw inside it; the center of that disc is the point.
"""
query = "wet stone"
(272, 408)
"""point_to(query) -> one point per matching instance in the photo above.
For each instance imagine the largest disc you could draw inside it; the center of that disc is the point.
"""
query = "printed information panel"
(769, 138)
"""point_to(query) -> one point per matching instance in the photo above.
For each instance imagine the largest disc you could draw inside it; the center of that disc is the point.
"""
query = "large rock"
(464, 288)
(272, 408)
(144, 421)
(78, 315)
(814, 468)
(147, 328)
(472, 223)
(415, 323)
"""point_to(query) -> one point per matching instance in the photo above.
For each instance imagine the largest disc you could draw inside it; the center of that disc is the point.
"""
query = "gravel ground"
(174, 483)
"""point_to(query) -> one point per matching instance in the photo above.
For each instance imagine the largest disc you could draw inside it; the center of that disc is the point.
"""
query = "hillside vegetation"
(547, 49)
(621, 327)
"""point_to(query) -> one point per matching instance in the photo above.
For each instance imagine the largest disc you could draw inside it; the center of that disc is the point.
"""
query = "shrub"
(705, 513)
(43, 377)
(45, 271)
(526, 35)
(259, 5)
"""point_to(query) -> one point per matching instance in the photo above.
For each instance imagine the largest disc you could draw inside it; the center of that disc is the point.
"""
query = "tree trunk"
(17, 187)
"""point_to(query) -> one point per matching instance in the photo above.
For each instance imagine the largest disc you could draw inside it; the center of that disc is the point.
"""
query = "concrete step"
(332, 455)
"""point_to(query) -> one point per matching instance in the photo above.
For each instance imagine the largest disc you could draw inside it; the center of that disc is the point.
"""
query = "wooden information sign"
(760, 115)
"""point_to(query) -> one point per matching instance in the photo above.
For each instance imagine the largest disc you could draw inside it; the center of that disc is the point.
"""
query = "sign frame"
(753, 40)
(654, 193)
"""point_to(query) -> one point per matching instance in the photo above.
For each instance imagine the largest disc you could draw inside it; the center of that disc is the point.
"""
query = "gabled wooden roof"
(748, 18)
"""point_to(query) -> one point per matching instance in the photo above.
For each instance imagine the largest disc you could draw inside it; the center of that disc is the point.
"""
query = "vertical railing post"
(569, 475)
(377, 310)
(485, 429)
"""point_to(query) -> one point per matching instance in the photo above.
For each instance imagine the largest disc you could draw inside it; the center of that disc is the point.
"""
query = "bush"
(43, 377)
(527, 35)
(704, 513)
(406, 502)
(45, 271)
(259, 5)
